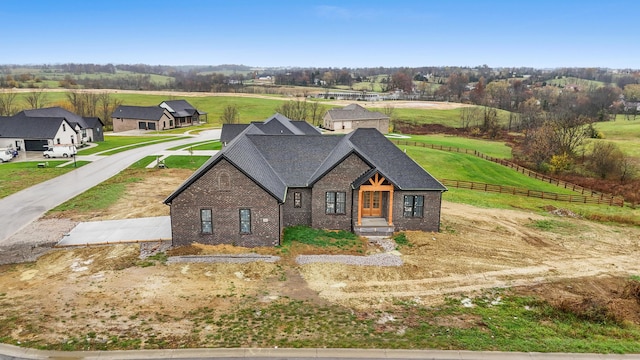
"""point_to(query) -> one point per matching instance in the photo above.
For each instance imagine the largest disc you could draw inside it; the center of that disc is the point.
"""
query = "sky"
(309, 33)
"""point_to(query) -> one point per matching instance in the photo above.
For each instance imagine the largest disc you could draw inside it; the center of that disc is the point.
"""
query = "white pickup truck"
(60, 151)
(5, 155)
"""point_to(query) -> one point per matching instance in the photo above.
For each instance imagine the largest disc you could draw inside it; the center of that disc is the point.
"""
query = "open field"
(581, 83)
(625, 133)
(251, 107)
(496, 149)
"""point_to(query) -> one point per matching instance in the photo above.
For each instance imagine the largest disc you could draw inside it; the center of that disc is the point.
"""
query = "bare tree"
(107, 105)
(606, 159)
(317, 112)
(90, 101)
(470, 116)
(390, 110)
(7, 100)
(76, 101)
(294, 109)
(539, 146)
(36, 99)
(230, 115)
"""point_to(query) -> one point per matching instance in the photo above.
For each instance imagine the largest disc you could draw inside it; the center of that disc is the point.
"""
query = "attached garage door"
(142, 125)
(35, 145)
(151, 125)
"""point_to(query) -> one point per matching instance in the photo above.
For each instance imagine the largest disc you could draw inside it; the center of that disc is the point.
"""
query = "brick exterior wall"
(338, 179)
(120, 124)
(292, 215)
(430, 220)
(225, 190)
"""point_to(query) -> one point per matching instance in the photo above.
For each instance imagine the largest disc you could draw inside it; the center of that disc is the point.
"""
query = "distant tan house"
(353, 117)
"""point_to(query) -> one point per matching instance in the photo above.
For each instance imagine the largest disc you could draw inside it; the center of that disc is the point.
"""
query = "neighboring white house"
(36, 133)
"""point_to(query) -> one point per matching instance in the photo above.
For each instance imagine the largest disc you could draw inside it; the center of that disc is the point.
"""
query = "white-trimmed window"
(206, 221)
(245, 221)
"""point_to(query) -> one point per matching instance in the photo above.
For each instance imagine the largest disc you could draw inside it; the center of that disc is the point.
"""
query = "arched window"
(224, 181)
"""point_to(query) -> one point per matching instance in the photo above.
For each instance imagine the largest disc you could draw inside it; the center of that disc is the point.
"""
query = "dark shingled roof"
(30, 128)
(280, 160)
(306, 128)
(230, 131)
(278, 124)
(181, 108)
(93, 122)
(138, 112)
(58, 112)
(392, 162)
(355, 112)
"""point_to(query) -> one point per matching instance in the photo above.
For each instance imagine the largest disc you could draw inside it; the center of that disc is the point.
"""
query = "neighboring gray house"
(353, 117)
(35, 130)
(183, 113)
(278, 173)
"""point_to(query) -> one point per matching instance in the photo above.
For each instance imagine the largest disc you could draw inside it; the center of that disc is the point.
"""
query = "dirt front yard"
(108, 296)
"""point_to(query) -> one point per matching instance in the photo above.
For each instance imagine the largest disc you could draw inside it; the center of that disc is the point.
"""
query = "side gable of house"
(355, 116)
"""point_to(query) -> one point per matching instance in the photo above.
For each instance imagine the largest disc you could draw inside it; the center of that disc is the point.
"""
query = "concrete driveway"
(118, 231)
(20, 209)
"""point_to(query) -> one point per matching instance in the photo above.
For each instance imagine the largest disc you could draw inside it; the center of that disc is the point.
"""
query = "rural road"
(14, 352)
(20, 209)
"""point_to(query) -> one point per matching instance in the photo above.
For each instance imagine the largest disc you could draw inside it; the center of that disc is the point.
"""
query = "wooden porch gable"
(376, 183)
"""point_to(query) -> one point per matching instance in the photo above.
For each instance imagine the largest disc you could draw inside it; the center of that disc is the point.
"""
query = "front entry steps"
(374, 226)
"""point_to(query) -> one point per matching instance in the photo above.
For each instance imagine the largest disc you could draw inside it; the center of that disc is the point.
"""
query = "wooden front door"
(372, 203)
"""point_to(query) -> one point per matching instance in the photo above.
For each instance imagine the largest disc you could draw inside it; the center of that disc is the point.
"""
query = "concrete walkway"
(118, 231)
(13, 352)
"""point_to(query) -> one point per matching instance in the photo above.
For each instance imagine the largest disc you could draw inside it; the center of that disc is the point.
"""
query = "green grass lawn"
(624, 133)
(142, 163)
(185, 161)
(203, 145)
(102, 195)
(21, 175)
(496, 149)
(111, 142)
(215, 145)
(457, 166)
(449, 118)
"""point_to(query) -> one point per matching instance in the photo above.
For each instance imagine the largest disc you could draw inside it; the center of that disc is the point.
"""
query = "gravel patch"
(386, 259)
(384, 242)
(236, 259)
(34, 240)
(151, 248)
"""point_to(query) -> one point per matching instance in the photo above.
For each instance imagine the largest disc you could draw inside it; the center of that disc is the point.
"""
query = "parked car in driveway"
(60, 151)
(5, 155)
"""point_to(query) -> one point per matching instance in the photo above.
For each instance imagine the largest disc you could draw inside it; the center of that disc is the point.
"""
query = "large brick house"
(169, 114)
(278, 173)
